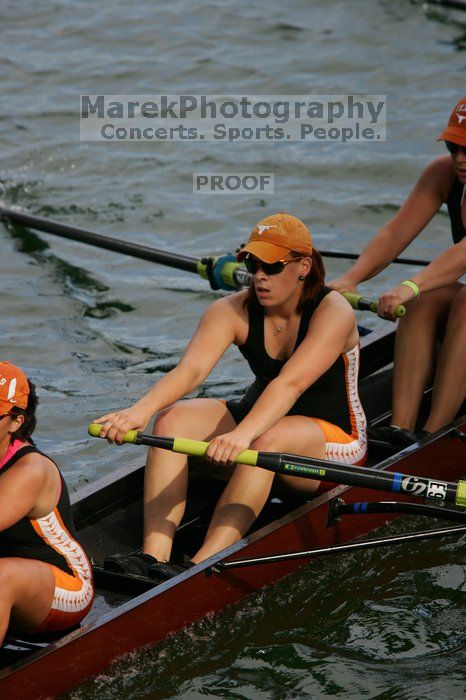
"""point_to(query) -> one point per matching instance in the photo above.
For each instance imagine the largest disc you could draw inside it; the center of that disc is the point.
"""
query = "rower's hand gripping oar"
(361, 303)
(192, 448)
(309, 468)
(222, 272)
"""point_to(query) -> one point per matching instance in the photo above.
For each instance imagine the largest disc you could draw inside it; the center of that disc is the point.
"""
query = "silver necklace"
(276, 329)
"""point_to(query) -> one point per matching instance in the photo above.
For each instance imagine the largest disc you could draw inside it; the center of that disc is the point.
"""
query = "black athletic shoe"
(403, 437)
(164, 572)
(397, 437)
(135, 564)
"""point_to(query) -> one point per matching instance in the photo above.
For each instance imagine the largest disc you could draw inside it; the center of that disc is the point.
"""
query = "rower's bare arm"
(446, 269)
(215, 333)
(429, 193)
(21, 487)
(331, 330)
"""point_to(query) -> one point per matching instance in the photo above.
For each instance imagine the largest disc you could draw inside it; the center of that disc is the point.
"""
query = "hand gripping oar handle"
(309, 468)
(361, 303)
(192, 448)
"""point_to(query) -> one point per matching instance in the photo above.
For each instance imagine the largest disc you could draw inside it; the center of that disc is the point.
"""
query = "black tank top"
(52, 538)
(454, 198)
(332, 397)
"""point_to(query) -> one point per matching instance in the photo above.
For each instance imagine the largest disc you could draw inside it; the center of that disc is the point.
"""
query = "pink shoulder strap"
(12, 450)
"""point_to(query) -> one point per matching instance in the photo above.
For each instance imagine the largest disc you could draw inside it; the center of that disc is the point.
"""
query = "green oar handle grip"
(361, 303)
(192, 448)
(94, 430)
(461, 494)
(197, 448)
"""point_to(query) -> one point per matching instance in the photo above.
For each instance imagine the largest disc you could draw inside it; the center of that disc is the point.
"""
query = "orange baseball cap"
(456, 129)
(14, 387)
(275, 236)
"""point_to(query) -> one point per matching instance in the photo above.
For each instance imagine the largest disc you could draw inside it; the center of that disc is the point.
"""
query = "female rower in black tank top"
(301, 342)
(435, 297)
(45, 576)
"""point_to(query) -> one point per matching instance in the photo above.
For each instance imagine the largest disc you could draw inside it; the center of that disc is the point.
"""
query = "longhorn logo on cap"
(261, 229)
(12, 390)
(461, 113)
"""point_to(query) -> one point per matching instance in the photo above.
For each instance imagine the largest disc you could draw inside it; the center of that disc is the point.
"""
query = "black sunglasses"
(252, 265)
(455, 147)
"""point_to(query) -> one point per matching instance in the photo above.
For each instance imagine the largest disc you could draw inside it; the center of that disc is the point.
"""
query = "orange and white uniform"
(52, 539)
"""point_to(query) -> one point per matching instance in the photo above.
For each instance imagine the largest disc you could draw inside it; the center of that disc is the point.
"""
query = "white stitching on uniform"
(354, 451)
(59, 539)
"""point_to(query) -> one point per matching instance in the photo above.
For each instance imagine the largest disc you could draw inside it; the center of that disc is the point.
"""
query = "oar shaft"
(340, 508)
(355, 256)
(340, 548)
(395, 482)
(135, 250)
(318, 469)
(227, 273)
(453, 4)
(50, 226)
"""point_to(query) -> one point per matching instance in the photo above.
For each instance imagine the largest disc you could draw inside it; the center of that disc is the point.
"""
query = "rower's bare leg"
(450, 378)
(415, 353)
(28, 587)
(166, 475)
(249, 487)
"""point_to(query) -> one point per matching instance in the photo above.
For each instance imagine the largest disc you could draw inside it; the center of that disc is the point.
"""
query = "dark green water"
(94, 329)
(385, 625)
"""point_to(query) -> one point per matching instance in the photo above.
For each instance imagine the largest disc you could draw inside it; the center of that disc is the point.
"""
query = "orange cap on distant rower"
(14, 387)
(456, 129)
(275, 236)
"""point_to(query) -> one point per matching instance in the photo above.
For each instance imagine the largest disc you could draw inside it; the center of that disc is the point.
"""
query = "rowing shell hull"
(170, 607)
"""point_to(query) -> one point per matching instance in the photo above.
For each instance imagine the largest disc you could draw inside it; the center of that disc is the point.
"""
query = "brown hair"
(27, 428)
(312, 284)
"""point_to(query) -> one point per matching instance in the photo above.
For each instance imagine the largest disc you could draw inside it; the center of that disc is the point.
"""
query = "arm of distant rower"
(422, 204)
(444, 269)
